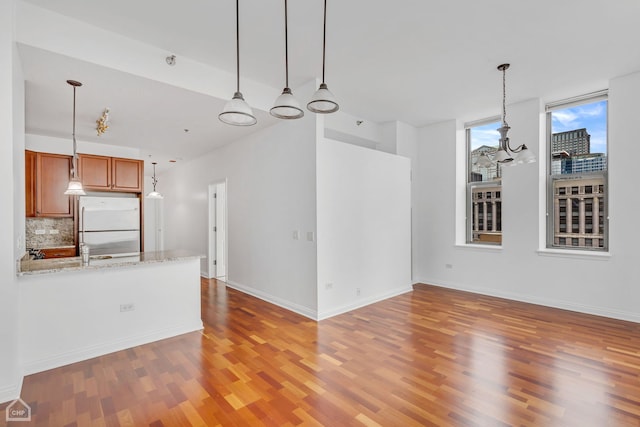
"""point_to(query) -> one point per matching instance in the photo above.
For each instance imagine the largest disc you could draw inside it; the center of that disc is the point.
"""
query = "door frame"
(212, 249)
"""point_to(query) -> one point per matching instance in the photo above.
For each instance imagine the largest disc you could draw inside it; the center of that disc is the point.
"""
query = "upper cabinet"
(46, 180)
(110, 173)
(127, 174)
(30, 182)
(95, 172)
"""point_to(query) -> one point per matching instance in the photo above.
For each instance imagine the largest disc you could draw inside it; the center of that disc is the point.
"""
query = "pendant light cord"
(155, 180)
(504, 96)
(286, 45)
(324, 38)
(75, 156)
(237, 46)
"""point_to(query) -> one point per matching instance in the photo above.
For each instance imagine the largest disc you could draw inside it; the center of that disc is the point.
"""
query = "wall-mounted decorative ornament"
(103, 122)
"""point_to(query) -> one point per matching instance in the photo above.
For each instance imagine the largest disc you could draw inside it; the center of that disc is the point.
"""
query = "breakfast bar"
(71, 312)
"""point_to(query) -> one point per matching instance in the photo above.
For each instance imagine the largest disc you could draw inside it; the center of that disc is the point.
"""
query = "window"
(577, 164)
(484, 187)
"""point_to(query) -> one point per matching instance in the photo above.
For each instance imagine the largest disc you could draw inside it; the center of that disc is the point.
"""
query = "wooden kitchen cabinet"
(51, 179)
(127, 174)
(30, 182)
(103, 173)
(62, 252)
(95, 172)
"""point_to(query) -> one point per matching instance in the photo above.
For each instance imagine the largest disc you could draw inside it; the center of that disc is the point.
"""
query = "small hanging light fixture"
(507, 155)
(323, 100)
(286, 105)
(154, 194)
(236, 111)
(75, 185)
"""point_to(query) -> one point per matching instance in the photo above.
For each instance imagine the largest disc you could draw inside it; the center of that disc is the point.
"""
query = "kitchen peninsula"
(72, 312)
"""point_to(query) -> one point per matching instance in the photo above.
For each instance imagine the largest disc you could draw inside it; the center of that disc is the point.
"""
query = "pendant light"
(323, 100)
(154, 194)
(236, 111)
(75, 185)
(507, 155)
(286, 105)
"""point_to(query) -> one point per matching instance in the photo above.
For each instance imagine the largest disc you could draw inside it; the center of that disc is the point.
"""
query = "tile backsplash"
(49, 232)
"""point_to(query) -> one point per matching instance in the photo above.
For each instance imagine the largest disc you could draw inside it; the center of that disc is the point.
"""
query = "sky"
(591, 116)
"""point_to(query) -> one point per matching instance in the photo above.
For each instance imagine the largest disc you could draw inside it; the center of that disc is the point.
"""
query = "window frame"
(471, 184)
(551, 179)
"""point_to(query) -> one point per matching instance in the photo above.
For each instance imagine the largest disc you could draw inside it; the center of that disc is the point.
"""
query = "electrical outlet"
(449, 266)
(329, 286)
(40, 231)
(127, 307)
(358, 292)
(311, 236)
(296, 235)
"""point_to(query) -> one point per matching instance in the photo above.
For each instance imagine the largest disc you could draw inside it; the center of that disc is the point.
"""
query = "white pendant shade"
(484, 161)
(503, 157)
(237, 112)
(323, 101)
(286, 106)
(526, 155)
(75, 188)
(154, 195)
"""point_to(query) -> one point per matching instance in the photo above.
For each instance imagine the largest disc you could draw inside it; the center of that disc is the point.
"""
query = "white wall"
(270, 194)
(50, 144)
(11, 96)
(364, 226)
(71, 316)
(43, 29)
(522, 268)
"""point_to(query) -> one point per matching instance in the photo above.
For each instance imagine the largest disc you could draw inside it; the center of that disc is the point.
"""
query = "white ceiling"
(415, 61)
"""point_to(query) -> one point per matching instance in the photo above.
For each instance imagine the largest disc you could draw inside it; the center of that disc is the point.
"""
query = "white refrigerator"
(109, 225)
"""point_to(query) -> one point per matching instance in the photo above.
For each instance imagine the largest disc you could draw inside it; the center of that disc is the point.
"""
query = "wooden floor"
(433, 357)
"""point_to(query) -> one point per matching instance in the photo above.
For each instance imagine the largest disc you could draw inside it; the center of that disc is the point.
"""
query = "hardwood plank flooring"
(432, 357)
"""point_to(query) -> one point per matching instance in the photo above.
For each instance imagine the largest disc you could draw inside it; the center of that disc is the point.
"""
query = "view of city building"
(578, 198)
(572, 142)
(485, 193)
(487, 214)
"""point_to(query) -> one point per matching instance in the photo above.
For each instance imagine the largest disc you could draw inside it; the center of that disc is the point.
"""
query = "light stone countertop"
(57, 265)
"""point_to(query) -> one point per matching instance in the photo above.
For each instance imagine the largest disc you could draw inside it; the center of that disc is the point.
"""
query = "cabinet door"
(95, 172)
(52, 179)
(127, 174)
(30, 182)
(58, 252)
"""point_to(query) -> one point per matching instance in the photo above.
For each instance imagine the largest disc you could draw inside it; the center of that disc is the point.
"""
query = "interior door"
(221, 230)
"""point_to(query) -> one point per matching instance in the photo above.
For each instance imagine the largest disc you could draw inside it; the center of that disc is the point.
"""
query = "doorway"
(217, 259)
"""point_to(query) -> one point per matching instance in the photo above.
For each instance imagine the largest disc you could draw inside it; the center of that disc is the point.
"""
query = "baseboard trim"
(78, 355)
(563, 305)
(362, 303)
(296, 308)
